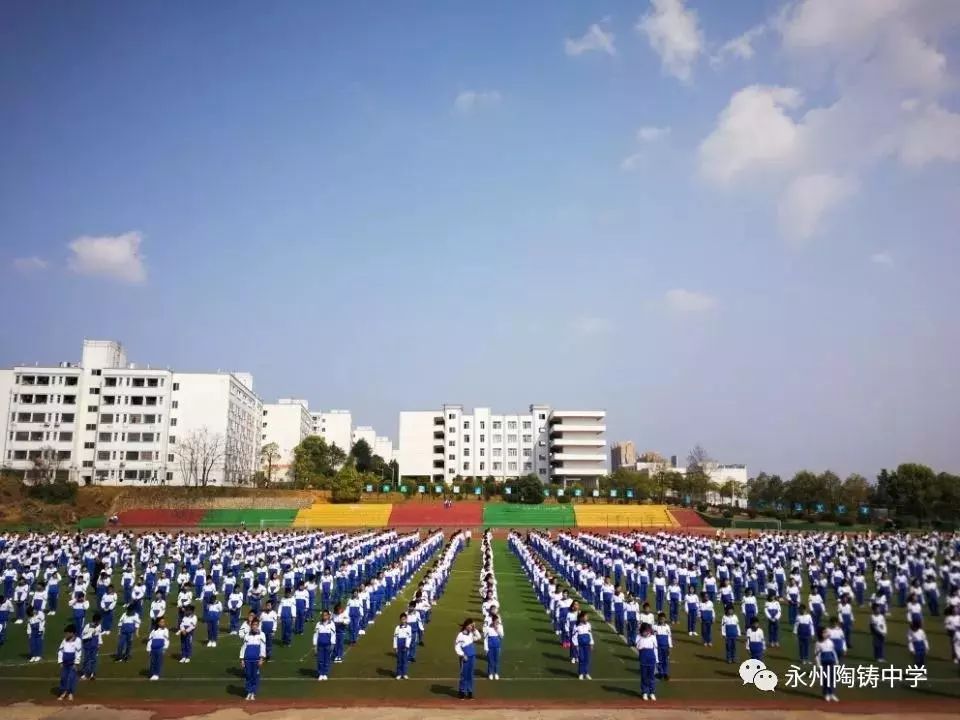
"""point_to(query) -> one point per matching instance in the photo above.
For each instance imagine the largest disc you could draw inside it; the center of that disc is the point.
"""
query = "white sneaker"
(581, 677)
(187, 660)
(20, 622)
(154, 677)
(489, 677)
(646, 697)
(399, 677)
(573, 661)
(362, 632)
(652, 696)
(496, 677)
(252, 696)
(52, 612)
(105, 632)
(406, 677)
(588, 677)
(213, 644)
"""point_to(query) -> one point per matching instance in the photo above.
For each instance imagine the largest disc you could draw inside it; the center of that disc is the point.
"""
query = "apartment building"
(554, 445)
(286, 422)
(623, 455)
(334, 426)
(110, 421)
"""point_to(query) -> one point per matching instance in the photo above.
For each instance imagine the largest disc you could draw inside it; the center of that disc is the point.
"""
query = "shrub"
(563, 499)
(701, 507)
(55, 493)
(728, 513)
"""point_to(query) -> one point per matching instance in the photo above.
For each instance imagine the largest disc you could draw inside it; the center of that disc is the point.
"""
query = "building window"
(512, 466)
(451, 429)
(91, 408)
(497, 452)
(466, 438)
(498, 439)
(512, 425)
(512, 439)
(497, 466)
(173, 422)
(482, 452)
(452, 443)
(451, 416)
(511, 452)
(466, 466)
(527, 424)
(66, 437)
(106, 419)
(483, 425)
(88, 445)
(541, 416)
(528, 438)
(91, 426)
(173, 439)
(466, 452)
(497, 424)
(543, 471)
(482, 465)
(87, 463)
(483, 438)
(451, 457)
(527, 452)
(169, 458)
(528, 467)
(466, 424)
(176, 403)
(176, 386)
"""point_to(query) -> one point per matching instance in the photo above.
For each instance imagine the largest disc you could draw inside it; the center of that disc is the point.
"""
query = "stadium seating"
(686, 517)
(161, 518)
(268, 517)
(635, 516)
(434, 514)
(342, 516)
(508, 515)
(91, 523)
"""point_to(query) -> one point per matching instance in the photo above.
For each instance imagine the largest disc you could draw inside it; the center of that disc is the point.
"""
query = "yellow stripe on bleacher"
(637, 516)
(342, 516)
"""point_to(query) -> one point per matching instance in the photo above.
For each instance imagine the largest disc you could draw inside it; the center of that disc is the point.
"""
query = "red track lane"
(688, 518)
(146, 518)
(433, 514)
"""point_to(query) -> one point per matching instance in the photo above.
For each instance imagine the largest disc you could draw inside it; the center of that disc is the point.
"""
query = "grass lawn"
(533, 666)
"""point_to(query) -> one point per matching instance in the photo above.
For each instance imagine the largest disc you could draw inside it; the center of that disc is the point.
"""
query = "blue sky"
(732, 224)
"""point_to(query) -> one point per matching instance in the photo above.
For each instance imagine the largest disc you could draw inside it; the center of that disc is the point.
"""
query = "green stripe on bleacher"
(274, 517)
(506, 515)
(91, 523)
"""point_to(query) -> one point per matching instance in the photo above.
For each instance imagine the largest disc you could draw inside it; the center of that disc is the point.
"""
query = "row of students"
(493, 632)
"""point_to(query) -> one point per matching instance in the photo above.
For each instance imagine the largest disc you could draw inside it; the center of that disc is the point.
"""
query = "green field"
(534, 666)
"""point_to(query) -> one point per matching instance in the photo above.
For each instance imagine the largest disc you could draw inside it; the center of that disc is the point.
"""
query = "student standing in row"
(463, 647)
(157, 643)
(878, 632)
(664, 645)
(755, 641)
(826, 657)
(731, 631)
(36, 626)
(186, 631)
(647, 648)
(492, 643)
(252, 654)
(402, 640)
(583, 642)
(69, 654)
(90, 640)
(324, 637)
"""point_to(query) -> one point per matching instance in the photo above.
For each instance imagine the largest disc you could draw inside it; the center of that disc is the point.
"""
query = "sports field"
(535, 669)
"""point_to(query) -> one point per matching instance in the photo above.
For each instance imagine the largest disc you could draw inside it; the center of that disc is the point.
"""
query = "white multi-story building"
(334, 426)
(555, 445)
(383, 446)
(110, 421)
(365, 433)
(286, 422)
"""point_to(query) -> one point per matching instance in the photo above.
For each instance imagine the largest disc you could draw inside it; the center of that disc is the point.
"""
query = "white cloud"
(116, 257)
(29, 264)
(674, 34)
(882, 258)
(689, 301)
(632, 162)
(754, 130)
(741, 47)
(470, 101)
(807, 201)
(932, 134)
(589, 326)
(649, 133)
(596, 38)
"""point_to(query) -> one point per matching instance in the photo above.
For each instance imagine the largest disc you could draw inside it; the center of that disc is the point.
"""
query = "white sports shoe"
(646, 697)
(496, 676)
(154, 677)
(652, 696)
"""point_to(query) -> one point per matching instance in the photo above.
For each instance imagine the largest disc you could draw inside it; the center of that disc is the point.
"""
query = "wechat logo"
(754, 672)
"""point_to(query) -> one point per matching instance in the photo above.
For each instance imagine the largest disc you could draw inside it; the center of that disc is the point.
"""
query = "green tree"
(529, 490)
(855, 491)
(347, 485)
(362, 456)
(491, 487)
(269, 454)
(315, 462)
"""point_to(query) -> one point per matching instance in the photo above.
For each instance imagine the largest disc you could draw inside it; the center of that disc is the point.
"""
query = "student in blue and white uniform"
(324, 638)
(464, 649)
(128, 629)
(664, 645)
(341, 621)
(845, 609)
(79, 605)
(108, 603)
(917, 644)
(826, 657)
(253, 653)
(730, 626)
(36, 627)
(754, 639)
(771, 609)
(235, 607)
(91, 640)
(835, 633)
(402, 639)
(211, 615)
(582, 640)
(692, 604)
(632, 614)
(805, 632)
(878, 633)
(69, 656)
(706, 619)
(492, 645)
(647, 649)
(187, 631)
(301, 599)
(415, 623)
(158, 641)
(6, 612)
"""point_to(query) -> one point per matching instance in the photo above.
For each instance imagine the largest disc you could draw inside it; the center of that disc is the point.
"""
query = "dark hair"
(467, 622)
(70, 628)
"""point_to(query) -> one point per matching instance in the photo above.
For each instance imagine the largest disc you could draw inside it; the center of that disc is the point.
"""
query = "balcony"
(438, 434)
(583, 456)
(578, 471)
(559, 428)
